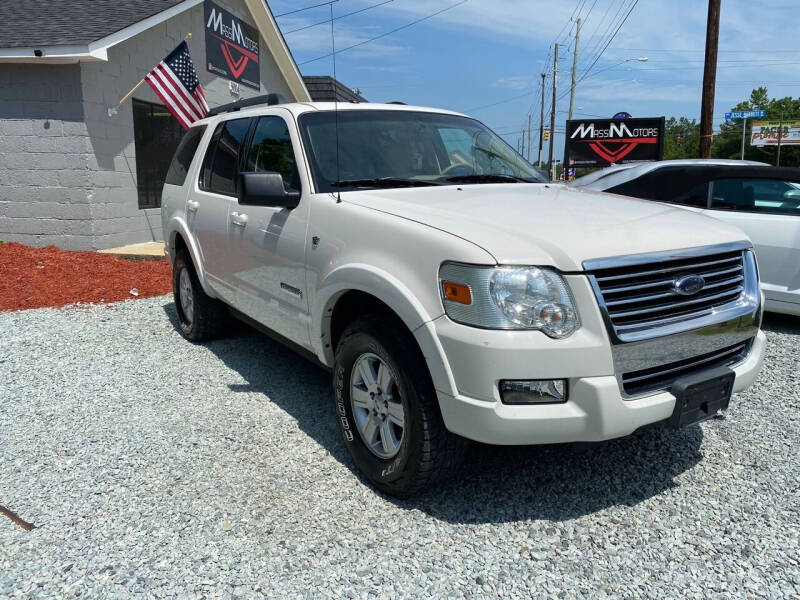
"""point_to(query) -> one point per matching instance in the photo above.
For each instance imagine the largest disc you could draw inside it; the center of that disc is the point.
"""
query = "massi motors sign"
(601, 142)
(231, 47)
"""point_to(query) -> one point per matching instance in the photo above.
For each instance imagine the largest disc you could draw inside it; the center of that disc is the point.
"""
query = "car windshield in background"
(396, 148)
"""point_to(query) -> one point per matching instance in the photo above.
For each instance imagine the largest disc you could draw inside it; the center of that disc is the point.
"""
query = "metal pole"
(541, 124)
(780, 135)
(553, 114)
(744, 132)
(574, 67)
(709, 78)
(528, 157)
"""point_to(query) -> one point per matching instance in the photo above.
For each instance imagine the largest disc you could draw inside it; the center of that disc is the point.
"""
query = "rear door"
(768, 210)
(209, 206)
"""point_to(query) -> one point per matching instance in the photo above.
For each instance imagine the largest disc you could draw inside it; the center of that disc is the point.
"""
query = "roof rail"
(268, 99)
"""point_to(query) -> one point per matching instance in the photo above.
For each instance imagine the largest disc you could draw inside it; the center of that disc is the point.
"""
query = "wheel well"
(353, 304)
(178, 243)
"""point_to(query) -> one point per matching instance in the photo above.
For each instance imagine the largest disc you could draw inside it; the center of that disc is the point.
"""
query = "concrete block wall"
(67, 169)
(44, 152)
(117, 218)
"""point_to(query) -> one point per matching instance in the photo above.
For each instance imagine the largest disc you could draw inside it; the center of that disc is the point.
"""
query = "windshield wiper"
(383, 182)
(487, 178)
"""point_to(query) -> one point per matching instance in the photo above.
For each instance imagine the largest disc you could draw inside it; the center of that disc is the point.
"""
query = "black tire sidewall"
(382, 472)
(182, 263)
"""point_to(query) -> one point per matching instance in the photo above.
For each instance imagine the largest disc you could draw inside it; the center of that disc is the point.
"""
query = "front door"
(268, 244)
(768, 211)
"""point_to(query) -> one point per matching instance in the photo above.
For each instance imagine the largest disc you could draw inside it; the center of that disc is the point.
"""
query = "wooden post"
(709, 79)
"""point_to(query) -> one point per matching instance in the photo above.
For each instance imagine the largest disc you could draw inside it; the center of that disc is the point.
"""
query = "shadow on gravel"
(781, 323)
(556, 482)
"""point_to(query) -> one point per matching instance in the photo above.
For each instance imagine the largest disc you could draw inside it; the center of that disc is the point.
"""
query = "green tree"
(681, 138)
(728, 143)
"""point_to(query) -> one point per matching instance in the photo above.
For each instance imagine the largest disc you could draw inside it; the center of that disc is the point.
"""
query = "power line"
(611, 39)
(383, 35)
(355, 12)
(291, 12)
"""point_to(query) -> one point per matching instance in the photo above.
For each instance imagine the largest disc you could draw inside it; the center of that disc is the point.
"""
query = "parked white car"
(763, 201)
(413, 252)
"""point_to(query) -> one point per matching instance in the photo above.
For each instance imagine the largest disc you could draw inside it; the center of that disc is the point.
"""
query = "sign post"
(744, 115)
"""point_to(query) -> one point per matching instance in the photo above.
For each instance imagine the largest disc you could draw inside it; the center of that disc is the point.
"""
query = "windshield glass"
(395, 148)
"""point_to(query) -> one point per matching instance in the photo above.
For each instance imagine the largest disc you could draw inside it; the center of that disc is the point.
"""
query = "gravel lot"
(155, 468)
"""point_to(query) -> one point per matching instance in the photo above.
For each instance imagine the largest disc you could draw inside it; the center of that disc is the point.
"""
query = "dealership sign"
(765, 133)
(601, 142)
(231, 47)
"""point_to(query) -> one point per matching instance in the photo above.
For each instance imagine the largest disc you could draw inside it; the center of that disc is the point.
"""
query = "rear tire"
(387, 409)
(201, 317)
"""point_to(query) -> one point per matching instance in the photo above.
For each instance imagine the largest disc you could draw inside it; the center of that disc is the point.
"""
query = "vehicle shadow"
(780, 323)
(499, 484)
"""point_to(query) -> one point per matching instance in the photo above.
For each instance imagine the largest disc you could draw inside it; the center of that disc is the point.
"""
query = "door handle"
(192, 205)
(239, 219)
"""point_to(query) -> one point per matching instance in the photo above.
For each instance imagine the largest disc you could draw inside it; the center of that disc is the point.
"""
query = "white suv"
(453, 294)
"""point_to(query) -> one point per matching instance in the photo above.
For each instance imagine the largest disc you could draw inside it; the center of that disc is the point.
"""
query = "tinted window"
(271, 150)
(220, 175)
(176, 174)
(697, 197)
(156, 135)
(757, 195)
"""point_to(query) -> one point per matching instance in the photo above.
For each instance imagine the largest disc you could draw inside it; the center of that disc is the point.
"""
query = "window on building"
(156, 137)
(271, 150)
(221, 163)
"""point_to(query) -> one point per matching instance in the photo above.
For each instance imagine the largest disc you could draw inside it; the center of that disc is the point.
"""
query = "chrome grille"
(663, 376)
(642, 296)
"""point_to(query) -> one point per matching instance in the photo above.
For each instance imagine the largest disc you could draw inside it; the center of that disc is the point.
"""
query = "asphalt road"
(154, 468)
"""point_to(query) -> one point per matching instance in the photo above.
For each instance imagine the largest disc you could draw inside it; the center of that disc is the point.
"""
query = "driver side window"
(272, 150)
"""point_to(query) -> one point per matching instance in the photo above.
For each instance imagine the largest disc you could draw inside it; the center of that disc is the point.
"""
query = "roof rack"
(268, 99)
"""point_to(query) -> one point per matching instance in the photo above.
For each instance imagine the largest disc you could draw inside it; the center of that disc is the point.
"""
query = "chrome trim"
(647, 257)
(641, 346)
(748, 301)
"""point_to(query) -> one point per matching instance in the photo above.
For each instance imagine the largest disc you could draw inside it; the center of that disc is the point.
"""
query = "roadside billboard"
(601, 142)
(765, 133)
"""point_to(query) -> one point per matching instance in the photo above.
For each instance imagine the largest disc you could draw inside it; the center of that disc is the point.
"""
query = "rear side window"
(179, 166)
(697, 197)
(222, 159)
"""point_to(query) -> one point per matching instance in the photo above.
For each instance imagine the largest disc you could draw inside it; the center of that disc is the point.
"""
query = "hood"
(549, 224)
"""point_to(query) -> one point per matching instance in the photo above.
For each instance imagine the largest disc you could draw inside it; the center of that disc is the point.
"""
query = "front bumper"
(595, 411)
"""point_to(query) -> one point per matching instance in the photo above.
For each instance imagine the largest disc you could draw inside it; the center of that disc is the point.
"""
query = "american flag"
(175, 81)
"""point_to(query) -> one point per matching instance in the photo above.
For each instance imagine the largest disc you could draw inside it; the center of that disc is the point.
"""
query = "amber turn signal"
(457, 292)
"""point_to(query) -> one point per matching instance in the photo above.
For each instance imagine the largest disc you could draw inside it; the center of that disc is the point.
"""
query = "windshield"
(396, 148)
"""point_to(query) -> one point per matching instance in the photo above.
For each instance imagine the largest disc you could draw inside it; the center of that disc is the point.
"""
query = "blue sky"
(483, 57)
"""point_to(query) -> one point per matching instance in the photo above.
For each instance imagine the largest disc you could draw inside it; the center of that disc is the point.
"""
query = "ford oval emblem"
(688, 285)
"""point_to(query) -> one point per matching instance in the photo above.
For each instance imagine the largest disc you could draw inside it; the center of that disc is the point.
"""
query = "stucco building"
(71, 173)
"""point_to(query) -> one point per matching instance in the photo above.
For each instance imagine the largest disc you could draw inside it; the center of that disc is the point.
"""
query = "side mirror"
(265, 189)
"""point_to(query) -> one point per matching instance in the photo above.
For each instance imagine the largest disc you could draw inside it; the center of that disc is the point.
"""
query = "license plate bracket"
(700, 396)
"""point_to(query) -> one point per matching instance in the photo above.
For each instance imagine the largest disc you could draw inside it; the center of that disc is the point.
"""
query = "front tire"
(201, 317)
(387, 409)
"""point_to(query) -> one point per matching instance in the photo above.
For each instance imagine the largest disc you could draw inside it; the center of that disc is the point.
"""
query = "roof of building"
(35, 23)
(322, 87)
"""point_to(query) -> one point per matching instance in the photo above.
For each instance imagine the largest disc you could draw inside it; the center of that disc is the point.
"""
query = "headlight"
(508, 298)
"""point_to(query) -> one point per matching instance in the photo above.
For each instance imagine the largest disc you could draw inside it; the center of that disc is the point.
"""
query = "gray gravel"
(155, 468)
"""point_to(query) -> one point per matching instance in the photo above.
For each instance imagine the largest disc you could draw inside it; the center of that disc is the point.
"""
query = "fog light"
(533, 391)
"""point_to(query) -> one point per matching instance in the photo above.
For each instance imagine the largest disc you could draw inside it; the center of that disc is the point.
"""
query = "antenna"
(335, 107)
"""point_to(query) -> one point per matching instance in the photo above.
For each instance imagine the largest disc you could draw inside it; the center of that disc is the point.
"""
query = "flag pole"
(113, 111)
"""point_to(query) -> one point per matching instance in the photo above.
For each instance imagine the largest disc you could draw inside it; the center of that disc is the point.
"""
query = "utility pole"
(528, 157)
(553, 114)
(709, 78)
(541, 124)
(574, 67)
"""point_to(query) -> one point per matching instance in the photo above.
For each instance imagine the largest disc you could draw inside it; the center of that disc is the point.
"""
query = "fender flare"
(175, 226)
(392, 292)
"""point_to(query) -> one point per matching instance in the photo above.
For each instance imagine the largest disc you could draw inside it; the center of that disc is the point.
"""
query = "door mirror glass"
(265, 188)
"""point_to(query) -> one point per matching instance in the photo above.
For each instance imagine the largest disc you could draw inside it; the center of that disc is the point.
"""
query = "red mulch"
(38, 277)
